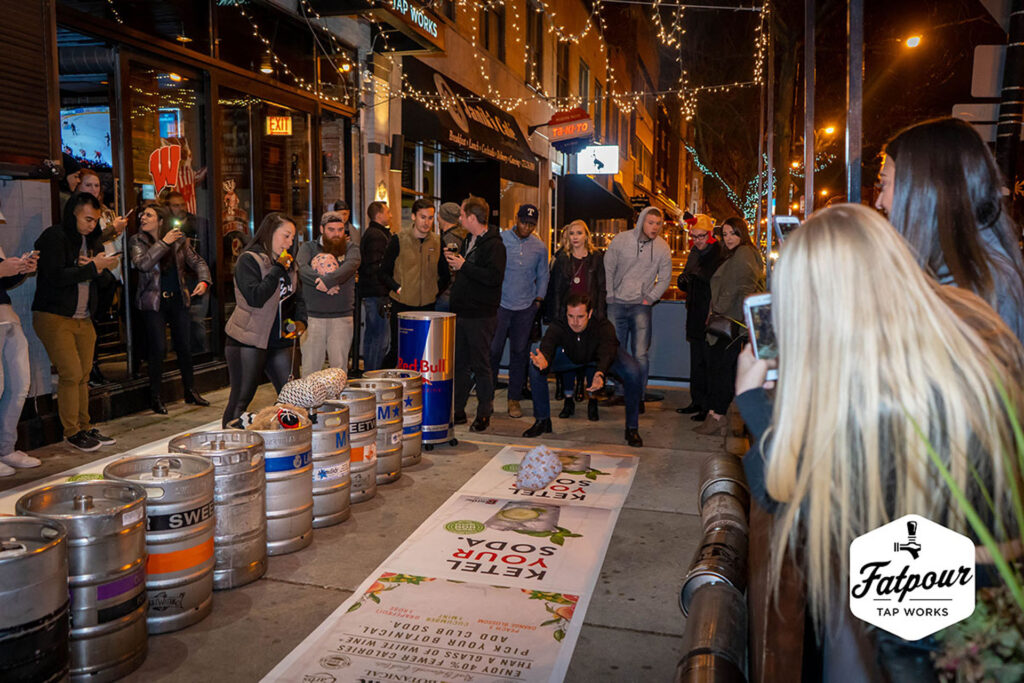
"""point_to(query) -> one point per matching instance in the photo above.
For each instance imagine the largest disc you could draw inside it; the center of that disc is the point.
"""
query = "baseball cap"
(527, 214)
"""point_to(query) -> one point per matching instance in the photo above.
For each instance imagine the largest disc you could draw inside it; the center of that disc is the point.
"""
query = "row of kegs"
(89, 569)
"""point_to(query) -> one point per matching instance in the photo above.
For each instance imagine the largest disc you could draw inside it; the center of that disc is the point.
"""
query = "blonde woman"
(869, 346)
(578, 268)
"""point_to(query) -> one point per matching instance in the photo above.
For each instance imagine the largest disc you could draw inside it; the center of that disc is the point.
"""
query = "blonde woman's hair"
(868, 347)
(566, 247)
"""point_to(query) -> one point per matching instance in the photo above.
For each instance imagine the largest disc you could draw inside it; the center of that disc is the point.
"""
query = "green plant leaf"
(558, 539)
(591, 476)
(574, 471)
(559, 634)
(535, 534)
(375, 598)
(551, 621)
(354, 607)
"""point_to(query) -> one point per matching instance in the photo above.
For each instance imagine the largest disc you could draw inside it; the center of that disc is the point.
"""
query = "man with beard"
(327, 269)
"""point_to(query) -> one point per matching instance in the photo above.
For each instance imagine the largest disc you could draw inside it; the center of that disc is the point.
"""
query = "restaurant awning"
(467, 123)
(581, 197)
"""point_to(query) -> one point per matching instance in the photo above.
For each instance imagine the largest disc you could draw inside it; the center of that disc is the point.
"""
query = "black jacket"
(562, 273)
(372, 245)
(58, 271)
(597, 343)
(476, 292)
(695, 280)
(147, 256)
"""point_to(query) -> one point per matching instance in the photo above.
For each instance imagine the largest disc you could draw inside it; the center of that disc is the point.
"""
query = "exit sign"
(279, 125)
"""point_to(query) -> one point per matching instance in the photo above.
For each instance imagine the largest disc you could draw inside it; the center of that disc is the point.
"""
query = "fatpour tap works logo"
(912, 577)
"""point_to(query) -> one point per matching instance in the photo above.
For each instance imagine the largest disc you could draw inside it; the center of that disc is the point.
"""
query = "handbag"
(722, 327)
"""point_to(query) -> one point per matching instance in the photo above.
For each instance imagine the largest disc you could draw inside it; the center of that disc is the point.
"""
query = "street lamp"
(824, 193)
(913, 41)
(829, 130)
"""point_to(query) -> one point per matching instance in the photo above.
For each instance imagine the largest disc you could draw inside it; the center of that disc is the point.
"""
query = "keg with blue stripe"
(239, 499)
(179, 535)
(389, 426)
(288, 463)
(331, 467)
(34, 618)
(362, 434)
(106, 526)
(412, 411)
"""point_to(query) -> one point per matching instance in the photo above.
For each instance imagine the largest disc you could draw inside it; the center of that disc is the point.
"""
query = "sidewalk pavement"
(632, 630)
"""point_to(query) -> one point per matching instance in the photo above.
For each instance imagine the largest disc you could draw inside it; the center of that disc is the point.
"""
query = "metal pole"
(808, 107)
(770, 111)
(854, 96)
(1011, 106)
(760, 162)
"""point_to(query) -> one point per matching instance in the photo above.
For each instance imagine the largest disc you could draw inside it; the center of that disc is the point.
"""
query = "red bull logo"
(424, 366)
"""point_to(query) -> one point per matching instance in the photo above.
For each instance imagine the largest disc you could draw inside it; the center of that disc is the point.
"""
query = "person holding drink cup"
(268, 317)
(162, 257)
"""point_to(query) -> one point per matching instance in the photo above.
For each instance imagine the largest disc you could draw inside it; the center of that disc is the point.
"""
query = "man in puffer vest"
(414, 270)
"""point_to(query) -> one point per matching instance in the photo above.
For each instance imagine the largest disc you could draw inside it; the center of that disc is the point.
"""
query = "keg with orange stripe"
(362, 433)
(179, 535)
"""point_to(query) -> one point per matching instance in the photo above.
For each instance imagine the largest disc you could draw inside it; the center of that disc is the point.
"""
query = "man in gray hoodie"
(638, 265)
(327, 267)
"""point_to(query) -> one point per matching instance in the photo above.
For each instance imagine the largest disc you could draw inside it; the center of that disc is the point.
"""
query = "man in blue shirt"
(522, 291)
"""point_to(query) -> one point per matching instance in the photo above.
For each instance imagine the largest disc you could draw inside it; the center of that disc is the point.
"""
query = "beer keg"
(412, 411)
(362, 432)
(34, 619)
(288, 464)
(106, 526)
(179, 535)
(331, 467)
(239, 500)
(389, 426)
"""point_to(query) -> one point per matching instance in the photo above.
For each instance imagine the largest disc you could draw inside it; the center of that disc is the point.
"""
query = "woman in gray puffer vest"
(161, 257)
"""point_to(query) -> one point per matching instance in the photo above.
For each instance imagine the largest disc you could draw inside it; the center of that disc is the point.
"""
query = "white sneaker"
(6, 470)
(20, 459)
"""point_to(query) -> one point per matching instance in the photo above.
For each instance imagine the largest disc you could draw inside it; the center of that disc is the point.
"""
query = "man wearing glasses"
(704, 259)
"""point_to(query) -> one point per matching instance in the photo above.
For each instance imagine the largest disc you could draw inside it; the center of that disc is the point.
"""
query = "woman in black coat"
(162, 257)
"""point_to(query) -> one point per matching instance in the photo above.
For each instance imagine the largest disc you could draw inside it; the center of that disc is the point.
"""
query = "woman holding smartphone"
(740, 274)
(162, 256)
(864, 375)
(269, 314)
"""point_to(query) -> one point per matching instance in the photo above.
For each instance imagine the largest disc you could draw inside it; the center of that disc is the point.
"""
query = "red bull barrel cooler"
(426, 344)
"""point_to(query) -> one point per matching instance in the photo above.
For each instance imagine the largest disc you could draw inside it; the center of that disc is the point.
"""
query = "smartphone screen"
(758, 312)
(785, 225)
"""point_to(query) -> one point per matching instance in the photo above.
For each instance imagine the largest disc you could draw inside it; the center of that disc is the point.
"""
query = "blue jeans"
(633, 324)
(377, 334)
(625, 368)
(514, 325)
(14, 378)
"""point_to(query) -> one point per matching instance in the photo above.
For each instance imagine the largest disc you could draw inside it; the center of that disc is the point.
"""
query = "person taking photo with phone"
(269, 314)
(71, 261)
(16, 374)
(163, 258)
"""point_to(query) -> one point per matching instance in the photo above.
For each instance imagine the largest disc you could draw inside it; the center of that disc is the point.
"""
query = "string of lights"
(113, 10)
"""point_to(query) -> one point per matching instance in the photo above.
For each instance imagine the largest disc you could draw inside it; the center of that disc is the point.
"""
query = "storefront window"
(284, 165)
(236, 191)
(169, 165)
(334, 137)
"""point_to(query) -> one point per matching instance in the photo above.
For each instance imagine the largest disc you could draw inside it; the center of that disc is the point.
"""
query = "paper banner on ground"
(587, 478)
(404, 627)
(94, 469)
(522, 543)
(489, 588)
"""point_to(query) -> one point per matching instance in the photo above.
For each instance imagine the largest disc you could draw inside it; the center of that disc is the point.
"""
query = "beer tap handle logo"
(911, 546)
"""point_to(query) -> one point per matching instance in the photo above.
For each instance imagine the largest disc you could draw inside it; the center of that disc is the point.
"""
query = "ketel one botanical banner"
(912, 577)
(591, 479)
(524, 543)
(402, 627)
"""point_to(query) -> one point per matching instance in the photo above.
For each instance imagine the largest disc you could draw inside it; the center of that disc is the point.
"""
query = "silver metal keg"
(331, 468)
(412, 411)
(389, 426)
(106, 526)
(34, 619)
(362, 432)
(288, 463)
(179, 535)
(239, 501)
